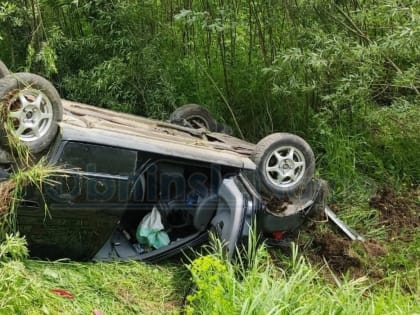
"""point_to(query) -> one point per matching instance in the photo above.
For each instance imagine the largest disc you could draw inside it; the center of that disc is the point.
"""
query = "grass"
(259, 283)
(329, 276)
(296, 288)
(263, 282)
(113, 288)
(26, 172)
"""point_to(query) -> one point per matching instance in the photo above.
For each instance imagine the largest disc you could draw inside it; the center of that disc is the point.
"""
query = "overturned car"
(137, 188)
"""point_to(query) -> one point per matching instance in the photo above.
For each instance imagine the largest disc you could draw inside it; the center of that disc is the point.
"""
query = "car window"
(94, 158)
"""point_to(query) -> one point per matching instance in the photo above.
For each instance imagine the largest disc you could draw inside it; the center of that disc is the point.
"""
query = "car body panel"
(229, 219)
(111, 184)
(91, 124)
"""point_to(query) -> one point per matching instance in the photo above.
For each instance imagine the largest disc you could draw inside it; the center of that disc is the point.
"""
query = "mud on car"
(137, 188)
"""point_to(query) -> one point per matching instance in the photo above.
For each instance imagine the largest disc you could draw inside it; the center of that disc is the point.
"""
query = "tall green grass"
(250, 284)
(113, 288)
(224, 287)
(26, 171)
(13, 189)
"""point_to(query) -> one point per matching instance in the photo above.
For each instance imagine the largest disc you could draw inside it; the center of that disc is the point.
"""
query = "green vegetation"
(12, 189)
(342, 74)
(255, 285)
(25, 173)
(118, 288)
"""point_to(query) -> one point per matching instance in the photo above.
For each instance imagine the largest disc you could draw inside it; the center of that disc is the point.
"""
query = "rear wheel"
(223, 128)
(32, 107)
(285, 164)
(193, 116)
(3, 70)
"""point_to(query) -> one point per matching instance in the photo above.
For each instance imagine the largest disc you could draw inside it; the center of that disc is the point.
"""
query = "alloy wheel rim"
(197, 122)
(31, 114)
(285, 166)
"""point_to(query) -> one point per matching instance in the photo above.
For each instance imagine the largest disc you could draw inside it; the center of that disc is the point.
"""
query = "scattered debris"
(63, 293)
(352, 234)
(398, 212)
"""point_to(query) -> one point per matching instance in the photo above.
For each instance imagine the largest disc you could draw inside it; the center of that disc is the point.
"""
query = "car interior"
(185, 193)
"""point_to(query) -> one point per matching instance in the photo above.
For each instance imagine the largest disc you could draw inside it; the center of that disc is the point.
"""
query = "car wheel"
(3, 70)
(194, 116)
(285, 163)
(223, 128)
(33, 106)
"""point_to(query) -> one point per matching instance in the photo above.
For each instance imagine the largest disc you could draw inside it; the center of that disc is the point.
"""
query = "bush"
(13, 247)
(224, 287)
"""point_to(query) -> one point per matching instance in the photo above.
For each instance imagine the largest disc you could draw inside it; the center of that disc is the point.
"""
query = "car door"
(84, 205)
(235, 213)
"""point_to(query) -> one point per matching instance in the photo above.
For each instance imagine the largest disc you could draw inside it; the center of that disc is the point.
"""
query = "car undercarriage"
(138, 188)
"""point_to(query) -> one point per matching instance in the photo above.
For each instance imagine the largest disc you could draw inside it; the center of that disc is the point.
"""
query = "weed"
(114, 287)
(13, 248)
(25, 172)
(226, 287)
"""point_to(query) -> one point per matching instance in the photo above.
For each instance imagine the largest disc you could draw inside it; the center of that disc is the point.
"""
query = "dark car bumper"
(295, 210)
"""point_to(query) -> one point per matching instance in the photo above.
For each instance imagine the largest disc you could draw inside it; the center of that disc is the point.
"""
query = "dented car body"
(114, 176)
(118, 167)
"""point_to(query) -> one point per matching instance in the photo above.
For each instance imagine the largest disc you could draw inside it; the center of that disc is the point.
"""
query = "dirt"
(278, 206)
(397, 212)
(374, 248)
(336, 252)
(344, 256)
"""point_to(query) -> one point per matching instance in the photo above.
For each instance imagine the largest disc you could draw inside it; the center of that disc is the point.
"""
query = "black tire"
(223, 128)
(285, 164)
(35, 120)
(194, 116)
(3, 70)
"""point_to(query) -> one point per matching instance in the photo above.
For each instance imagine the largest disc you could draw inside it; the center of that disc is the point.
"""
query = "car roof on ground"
(92, 124)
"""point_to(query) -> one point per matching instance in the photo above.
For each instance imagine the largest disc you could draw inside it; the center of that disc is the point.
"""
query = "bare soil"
(336, 251)
(375, 248)
(398, 213)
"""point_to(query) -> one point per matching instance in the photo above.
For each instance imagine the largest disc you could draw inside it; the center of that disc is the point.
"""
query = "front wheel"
(30, 110)
(285, 164)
